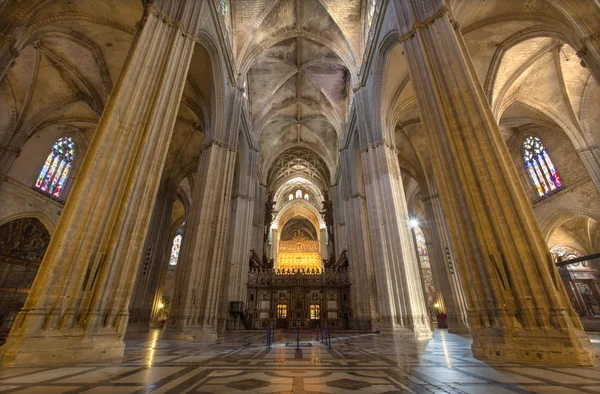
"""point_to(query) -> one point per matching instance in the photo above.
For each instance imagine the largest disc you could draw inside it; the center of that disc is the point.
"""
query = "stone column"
(323, 245)
(274, 246)
(77, 309)
(235, 278)
(399, 288)
(202, 258)
(363, 297)
(447, 281)
(154, 262)
(258, 222)
(518, 307)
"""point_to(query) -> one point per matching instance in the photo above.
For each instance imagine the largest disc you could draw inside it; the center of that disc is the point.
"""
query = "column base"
(536, 347)
(53, 350)
(191, 333)
(138, 328)
(360, 324)
(418, 333)
(458, 329)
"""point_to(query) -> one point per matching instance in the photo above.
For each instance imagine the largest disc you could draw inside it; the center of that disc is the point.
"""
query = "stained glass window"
(298, 193)
(421, 246)
(540, 167)
(176, 245)
(55, 172)
(291, 197)
(306, 196)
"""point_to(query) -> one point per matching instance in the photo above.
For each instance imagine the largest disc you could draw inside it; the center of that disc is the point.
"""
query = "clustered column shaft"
(78, 305)
(518, 308)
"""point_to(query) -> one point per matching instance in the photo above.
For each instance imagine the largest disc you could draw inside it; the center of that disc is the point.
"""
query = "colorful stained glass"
(44, 171)
(176, 245)
(534, 178)
(539, 166)
(54, 173)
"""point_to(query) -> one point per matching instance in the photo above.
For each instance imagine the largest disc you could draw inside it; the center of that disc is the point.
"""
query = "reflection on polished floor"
(362, 363)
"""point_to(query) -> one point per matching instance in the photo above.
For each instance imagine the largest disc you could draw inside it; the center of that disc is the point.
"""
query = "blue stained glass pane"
(539, 166)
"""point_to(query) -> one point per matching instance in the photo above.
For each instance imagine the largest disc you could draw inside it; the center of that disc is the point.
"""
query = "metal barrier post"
(268, 338)
(317, 335)
(329, 335)
(322, 335)
(298, 337)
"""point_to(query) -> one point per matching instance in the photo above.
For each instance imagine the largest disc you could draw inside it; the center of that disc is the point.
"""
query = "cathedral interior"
(299, 196)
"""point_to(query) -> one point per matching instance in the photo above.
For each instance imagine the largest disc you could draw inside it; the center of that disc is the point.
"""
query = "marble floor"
(358, 363)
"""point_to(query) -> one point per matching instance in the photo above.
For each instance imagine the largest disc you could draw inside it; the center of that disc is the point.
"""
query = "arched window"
(291, 197)
(540, 167)
(176, 245)
(306, 196)
(55, 172)
(421, 246)
(298, 193)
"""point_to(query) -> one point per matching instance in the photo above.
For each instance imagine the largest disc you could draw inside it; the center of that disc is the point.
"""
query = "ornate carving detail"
(270, 278)
(218, 143)
(590, 37)
(23, 241)
(430, 197)
(328, 217)
(269, 211)
(167, 20)
(428, 21)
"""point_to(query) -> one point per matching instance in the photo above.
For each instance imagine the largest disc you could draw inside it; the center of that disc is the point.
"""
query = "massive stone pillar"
(77, 309)
(202, 258)
(356, 238)
(258, 222)
(235, 278)
(324, 245)
(274, 244)
(448, 284)
(518, 308)
(154, 262)
(399, 287)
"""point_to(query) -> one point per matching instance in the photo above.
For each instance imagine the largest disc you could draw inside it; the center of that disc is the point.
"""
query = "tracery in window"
(298, 193)
(54, 174)
(291, 197)
(306, 196)
(540, 167)
(176, 245)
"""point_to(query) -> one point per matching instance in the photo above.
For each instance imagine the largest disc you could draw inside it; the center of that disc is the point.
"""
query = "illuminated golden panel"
(299, 261)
